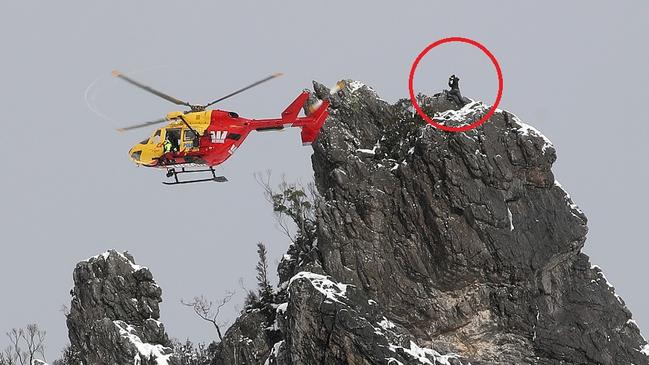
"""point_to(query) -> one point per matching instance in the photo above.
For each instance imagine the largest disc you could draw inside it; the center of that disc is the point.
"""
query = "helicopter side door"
(173, 135)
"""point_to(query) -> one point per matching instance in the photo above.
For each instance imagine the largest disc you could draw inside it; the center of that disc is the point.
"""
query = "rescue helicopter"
(198, 139)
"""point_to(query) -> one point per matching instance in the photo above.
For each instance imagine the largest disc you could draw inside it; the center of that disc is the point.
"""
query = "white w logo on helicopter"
(218, 136)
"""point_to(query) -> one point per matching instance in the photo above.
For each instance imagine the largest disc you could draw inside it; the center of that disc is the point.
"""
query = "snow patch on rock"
(600, 273)
(468, 114)
(368, 151)
(511, 220)
(145, 350)
(645, 349)
(281, 309)
(386, 324)
(332, 290)
(355, 85)
(107, 254)
(568, 200)
(274, 352)
(424, 355)
(527, 130)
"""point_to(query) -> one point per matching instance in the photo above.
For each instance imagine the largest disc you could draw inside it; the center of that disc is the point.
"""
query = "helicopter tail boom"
(310, 124)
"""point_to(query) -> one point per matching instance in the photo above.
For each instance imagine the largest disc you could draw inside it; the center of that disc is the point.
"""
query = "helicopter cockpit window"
(189, 135)
(155, 139)
(190, 139)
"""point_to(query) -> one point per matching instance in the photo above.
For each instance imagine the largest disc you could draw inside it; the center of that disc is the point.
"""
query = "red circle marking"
(429, 119)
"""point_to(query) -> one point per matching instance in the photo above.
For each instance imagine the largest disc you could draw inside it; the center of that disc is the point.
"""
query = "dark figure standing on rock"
(454, 93)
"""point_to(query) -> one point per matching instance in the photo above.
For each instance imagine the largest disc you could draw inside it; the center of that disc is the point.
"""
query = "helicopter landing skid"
(173, 173)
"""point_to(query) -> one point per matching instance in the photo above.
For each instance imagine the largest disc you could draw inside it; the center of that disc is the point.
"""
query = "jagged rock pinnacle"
(440, 248)
(114, 313)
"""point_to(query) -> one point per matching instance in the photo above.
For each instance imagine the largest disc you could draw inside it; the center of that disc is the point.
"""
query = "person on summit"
(454, 93)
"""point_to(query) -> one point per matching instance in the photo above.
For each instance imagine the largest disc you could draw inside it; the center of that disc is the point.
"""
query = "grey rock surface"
(443, 248)
(245, 341)
(114, 313)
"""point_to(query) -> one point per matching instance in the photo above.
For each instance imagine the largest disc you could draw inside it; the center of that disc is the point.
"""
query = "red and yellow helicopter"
(206, 138)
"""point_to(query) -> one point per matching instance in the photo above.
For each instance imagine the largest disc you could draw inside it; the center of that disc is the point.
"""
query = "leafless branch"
(8, 356)
(25, 345)
(207, 311)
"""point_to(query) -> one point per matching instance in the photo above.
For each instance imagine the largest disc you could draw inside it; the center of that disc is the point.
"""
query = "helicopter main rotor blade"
(141, 125)
(244, 88)
(150, 89)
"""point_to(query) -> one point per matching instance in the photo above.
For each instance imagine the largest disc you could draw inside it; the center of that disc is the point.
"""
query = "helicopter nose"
(135, 154)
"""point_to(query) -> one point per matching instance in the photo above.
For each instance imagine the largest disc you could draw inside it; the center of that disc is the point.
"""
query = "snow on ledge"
(106, 254)
(281, 309)
(424, 354)
(645, 349)
(274, 352)
(568, 199)
(600, 274)
(355, 85)
(527, 130)
(468, 114)
(147, 350)
(368, 151)
(386, 324)
(332, 290)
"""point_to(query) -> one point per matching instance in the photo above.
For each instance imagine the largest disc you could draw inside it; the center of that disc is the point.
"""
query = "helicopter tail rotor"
(311, 130)
(317, 117)
(335, 89)
(318, 113)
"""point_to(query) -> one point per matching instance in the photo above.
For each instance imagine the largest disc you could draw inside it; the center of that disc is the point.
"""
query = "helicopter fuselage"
(210, 137)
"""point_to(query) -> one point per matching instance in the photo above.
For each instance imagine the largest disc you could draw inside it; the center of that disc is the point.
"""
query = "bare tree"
(24, 345)
(207, 311)
(8, 356)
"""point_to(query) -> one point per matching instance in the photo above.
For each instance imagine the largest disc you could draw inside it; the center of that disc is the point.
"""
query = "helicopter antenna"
(278, 74)
(152, 90)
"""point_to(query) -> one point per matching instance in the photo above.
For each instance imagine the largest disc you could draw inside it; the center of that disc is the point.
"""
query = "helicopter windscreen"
(155, 138)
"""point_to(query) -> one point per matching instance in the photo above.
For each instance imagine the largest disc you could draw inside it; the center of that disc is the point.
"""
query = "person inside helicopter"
(172, 140)
(167, 146)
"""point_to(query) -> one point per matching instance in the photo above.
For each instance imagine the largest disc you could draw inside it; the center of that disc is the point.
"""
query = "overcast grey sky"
(575, 70)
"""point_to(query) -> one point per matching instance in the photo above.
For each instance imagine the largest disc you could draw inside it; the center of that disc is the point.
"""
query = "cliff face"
(114, 313)
(440, 248)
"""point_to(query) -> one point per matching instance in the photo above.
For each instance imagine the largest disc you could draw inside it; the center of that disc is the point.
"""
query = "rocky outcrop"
(443, 248)
(246, 342)
(114, 313)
